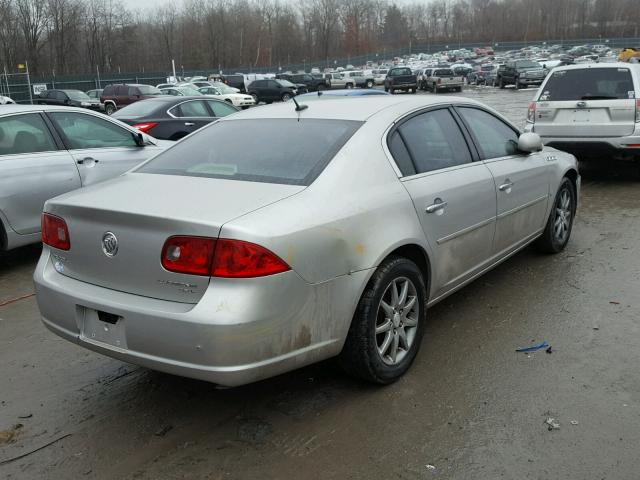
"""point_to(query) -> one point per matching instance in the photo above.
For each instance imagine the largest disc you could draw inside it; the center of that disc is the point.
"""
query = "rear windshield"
(589, 84)
(149, 90)
(138, 109)
(443, 72)
(288, 151)
(527, 64)
(396, 72)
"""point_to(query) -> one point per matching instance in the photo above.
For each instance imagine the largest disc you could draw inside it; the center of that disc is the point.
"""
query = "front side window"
(82, 131)
(434, 141)
(25, 134)
(494, 137)
(298, 151)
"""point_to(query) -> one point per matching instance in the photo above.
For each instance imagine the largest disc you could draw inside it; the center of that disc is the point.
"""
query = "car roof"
(18, 108)
(348, 108)
(582, 66)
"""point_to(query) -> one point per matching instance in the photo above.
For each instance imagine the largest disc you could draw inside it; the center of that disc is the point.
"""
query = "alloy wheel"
(397, 320)
(562, 220)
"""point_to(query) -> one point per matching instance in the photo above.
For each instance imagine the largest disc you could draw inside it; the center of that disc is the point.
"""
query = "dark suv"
(118, 96)
(312, 84)
(272, 90)
(71, 98)
(521, 73)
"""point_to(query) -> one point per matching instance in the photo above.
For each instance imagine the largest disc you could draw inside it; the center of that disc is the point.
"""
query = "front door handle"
(189, 124)
(506, 186)
(437, 206)
(88, 160)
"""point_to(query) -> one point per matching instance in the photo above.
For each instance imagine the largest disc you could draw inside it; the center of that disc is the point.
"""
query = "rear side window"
(396, 72)
(401, 155)
(435, 141)
(195, 108)
(589, 84)
(24, 134)
(288, 151)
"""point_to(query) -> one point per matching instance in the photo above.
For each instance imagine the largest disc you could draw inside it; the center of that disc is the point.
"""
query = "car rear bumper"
(241, 331)
(621, 148)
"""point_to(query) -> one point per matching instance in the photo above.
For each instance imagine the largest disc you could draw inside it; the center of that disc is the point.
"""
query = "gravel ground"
(470, 408)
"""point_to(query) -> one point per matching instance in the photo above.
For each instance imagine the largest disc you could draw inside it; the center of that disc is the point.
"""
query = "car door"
(101, 148)
(192, 114)
(522, 180)
(454, 197)
(273, 90)
(33, 169)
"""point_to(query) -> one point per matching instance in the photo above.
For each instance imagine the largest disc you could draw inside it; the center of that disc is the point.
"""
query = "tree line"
(80, 36)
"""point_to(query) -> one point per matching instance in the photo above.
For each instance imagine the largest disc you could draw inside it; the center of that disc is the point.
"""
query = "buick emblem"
(109, 244)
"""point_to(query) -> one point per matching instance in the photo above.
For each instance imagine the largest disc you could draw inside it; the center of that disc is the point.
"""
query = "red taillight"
(238, 259)
(190, 255)
(219, 258)
(439, 81)
(531, 113)
(55, 232)
(145, 127)
(637, 111)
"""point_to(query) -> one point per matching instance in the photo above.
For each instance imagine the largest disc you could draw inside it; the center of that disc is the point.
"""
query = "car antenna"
(299, 107)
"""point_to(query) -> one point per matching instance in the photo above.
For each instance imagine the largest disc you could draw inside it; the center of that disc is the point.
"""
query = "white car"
(229, 95)
(6, 100)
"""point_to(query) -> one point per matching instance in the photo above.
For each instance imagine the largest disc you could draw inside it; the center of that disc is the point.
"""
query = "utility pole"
(26, 63)
(98, 72)
(173, 68)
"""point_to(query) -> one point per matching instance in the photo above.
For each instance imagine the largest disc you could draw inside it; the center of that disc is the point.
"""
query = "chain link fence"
(16, 86)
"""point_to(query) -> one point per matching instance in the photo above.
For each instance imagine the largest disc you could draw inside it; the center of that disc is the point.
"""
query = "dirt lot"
(470, 408)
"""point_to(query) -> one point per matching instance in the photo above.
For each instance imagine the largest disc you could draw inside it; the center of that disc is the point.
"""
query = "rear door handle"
(506, 186)
(87, 159)
(189, 124)
(438, 206)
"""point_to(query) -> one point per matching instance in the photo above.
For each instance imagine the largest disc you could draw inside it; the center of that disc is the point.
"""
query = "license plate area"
(103, 327)
(581, 116)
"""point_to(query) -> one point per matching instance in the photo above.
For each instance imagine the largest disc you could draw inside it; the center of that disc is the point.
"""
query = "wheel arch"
(412, 251)
(4, 240)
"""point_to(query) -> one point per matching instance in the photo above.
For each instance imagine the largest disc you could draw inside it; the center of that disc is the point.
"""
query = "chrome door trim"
(464, 231)
(522, 207)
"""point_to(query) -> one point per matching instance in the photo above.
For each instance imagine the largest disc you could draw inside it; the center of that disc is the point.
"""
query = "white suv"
(591, 111)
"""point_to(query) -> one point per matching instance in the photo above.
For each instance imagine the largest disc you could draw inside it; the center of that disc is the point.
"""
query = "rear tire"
(501, 83)
(369, 84)
(386, 330)
(285, 97)
(349, 85)
(560, 223)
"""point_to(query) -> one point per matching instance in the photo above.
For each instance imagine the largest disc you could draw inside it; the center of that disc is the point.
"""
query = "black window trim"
(472, 136)
(463, 130)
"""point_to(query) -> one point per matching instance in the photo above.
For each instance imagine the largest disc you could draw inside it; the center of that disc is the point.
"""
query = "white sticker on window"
(631, 93)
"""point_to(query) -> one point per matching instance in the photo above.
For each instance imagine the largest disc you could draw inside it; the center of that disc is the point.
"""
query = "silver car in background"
(590, 110)
(46, 151)
(281, 236)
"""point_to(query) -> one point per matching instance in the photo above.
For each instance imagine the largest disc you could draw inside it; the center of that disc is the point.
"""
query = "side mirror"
(530, 142)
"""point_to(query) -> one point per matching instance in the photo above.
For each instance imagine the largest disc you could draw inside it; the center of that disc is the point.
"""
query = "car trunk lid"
(142, 211)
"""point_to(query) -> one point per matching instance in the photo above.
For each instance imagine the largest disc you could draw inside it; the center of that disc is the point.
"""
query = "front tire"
(387, 328)
(369, 84)
(109, 108)
(560, 223)
(285, 97)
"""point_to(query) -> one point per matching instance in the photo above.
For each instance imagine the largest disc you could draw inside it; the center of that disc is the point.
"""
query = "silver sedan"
(46, 151)
(282, 236)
